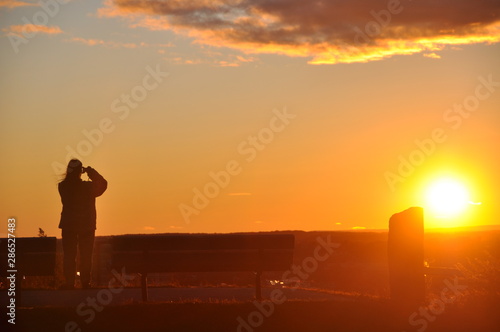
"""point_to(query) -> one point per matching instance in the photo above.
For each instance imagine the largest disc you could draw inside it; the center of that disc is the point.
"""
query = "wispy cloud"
(175, 227)
(100, 42)
(114, 44)
(15, 4)
(32, 28)
(216, 60)
(432, 55)
(326, 31)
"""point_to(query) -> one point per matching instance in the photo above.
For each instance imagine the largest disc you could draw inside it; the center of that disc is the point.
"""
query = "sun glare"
(447, 198)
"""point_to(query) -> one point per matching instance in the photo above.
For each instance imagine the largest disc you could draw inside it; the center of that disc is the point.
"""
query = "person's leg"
(69, 243)
(86, 245)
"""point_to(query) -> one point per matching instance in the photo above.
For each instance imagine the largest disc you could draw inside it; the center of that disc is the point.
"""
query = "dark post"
(144, 275)
(258, 286)
(144, 286)
(406, 257)
(258, 275)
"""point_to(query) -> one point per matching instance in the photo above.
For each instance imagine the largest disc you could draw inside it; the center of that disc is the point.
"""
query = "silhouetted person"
(78, 220)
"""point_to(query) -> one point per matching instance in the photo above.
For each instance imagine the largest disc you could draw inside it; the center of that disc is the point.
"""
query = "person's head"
(74, 170)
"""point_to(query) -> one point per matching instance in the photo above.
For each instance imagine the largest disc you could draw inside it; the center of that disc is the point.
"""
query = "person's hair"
(74, 170)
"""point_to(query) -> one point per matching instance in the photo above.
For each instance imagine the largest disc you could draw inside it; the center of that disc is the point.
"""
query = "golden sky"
(226, 116)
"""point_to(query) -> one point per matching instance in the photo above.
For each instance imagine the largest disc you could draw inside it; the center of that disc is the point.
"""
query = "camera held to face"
(85, 169)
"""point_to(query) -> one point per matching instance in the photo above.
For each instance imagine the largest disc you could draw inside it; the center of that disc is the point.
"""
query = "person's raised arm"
(99, 184)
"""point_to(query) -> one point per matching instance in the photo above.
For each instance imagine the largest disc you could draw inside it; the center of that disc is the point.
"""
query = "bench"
(31, 256)
(256, 253)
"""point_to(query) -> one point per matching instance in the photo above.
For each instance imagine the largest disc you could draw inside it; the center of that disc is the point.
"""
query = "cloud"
(14, 4)
(212, 59)
(26, 29)
(432, 55)
(100, 42)
(113, 44)
(176, 227)
(358, 227)
(325, 31)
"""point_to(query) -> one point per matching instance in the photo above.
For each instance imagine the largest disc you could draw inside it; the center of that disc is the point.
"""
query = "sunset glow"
(247, 116)
(197, 161)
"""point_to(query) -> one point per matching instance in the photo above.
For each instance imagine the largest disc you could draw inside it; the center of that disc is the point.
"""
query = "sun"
(447, 198)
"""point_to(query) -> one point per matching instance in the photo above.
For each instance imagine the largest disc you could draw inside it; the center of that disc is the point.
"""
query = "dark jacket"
(78, 199)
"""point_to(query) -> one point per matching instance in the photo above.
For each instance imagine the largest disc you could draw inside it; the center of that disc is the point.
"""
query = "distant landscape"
(357, 270)
(358, 265)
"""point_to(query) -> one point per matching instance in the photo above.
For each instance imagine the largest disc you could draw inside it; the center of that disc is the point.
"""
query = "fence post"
(406, 256)
(144, 275)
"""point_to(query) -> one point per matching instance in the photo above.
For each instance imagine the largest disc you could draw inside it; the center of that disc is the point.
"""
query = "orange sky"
(323, 117)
